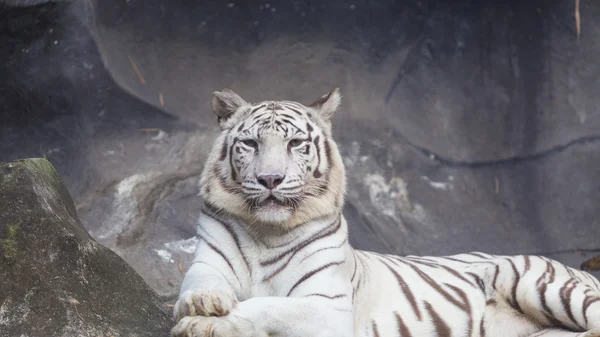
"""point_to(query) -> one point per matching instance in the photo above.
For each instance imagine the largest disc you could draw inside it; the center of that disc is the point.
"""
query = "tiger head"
(275, 162)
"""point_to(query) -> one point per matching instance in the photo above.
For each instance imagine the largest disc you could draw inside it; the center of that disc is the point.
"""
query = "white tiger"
(273, 257)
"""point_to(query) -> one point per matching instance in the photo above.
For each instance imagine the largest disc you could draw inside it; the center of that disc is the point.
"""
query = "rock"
(592, 264)
(473, 82)
(455, 136)
(55, 280)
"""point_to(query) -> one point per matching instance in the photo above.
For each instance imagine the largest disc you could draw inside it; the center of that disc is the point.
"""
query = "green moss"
(19, 177)
(41, 166)
(10, 243)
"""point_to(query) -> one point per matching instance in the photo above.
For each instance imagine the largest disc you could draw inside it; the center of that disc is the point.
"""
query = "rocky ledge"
(55, 279)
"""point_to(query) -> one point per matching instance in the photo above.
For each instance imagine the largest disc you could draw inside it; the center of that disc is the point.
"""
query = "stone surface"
(55, 279)
(26, 3)
(470, 82)
(463, 127)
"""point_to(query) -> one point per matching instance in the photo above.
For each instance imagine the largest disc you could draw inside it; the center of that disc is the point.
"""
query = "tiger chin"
(273, 257)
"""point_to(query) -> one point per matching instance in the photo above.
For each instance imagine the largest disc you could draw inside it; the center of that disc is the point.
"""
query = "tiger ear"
(327, 104)
(226, 103)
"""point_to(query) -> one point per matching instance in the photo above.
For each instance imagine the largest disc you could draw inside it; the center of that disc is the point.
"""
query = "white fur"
(278, 271)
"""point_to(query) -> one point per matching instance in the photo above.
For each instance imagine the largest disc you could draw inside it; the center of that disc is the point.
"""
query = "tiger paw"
(213, 302)
(200, 326)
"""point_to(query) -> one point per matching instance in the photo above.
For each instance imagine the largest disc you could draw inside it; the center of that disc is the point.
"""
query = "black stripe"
(357, 287)
(433, 284)
(478, 255)
(541, 288)
(312, 273)
(443, 330)
(437, 265)
(324, 248)
(300, 247)
(354, 272)
(235, 237)
(253, 124)
(405, 288)
(326, 296)
(296, 111)
(233, 174)
(257, 108)
(565, 298)
(455, 259)
(463, 261)
(292, 124)
(515, 301)
(375, 329)
(328, 154)
(586, 304)
(286, 115)
(482, 327)
(466, 306)
(218, 251)
(402, 328)
(318, 235)
(317, 173)
(478, 280)
(223, 155)
(495, 277)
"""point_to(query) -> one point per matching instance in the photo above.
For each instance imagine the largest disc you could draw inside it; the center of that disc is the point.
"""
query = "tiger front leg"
(204, 292)
(272, 316)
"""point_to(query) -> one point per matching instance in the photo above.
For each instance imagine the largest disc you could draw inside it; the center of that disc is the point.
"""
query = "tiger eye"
(295, 142)
(250, 142)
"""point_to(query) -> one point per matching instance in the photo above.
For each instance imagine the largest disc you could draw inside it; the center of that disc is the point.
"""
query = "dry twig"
(577, 19)
(497, 185)
(149, 130)
(136, 70)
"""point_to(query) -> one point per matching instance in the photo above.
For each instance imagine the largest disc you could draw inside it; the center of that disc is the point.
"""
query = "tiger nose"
(270, 181)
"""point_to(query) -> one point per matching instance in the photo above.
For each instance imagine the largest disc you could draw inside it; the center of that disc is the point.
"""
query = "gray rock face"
(464, 126)
(470, 82)
(55, 279)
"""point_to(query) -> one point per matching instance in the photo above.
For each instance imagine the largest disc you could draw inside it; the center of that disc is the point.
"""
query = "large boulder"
(55, 280)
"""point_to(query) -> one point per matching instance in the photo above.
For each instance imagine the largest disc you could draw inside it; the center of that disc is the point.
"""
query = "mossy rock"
(9, 243)
(55, 280)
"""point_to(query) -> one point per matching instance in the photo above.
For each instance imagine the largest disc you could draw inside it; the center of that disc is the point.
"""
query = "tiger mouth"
(271, 200)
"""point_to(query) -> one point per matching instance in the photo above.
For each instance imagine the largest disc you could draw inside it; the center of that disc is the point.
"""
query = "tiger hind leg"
(549, 293)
